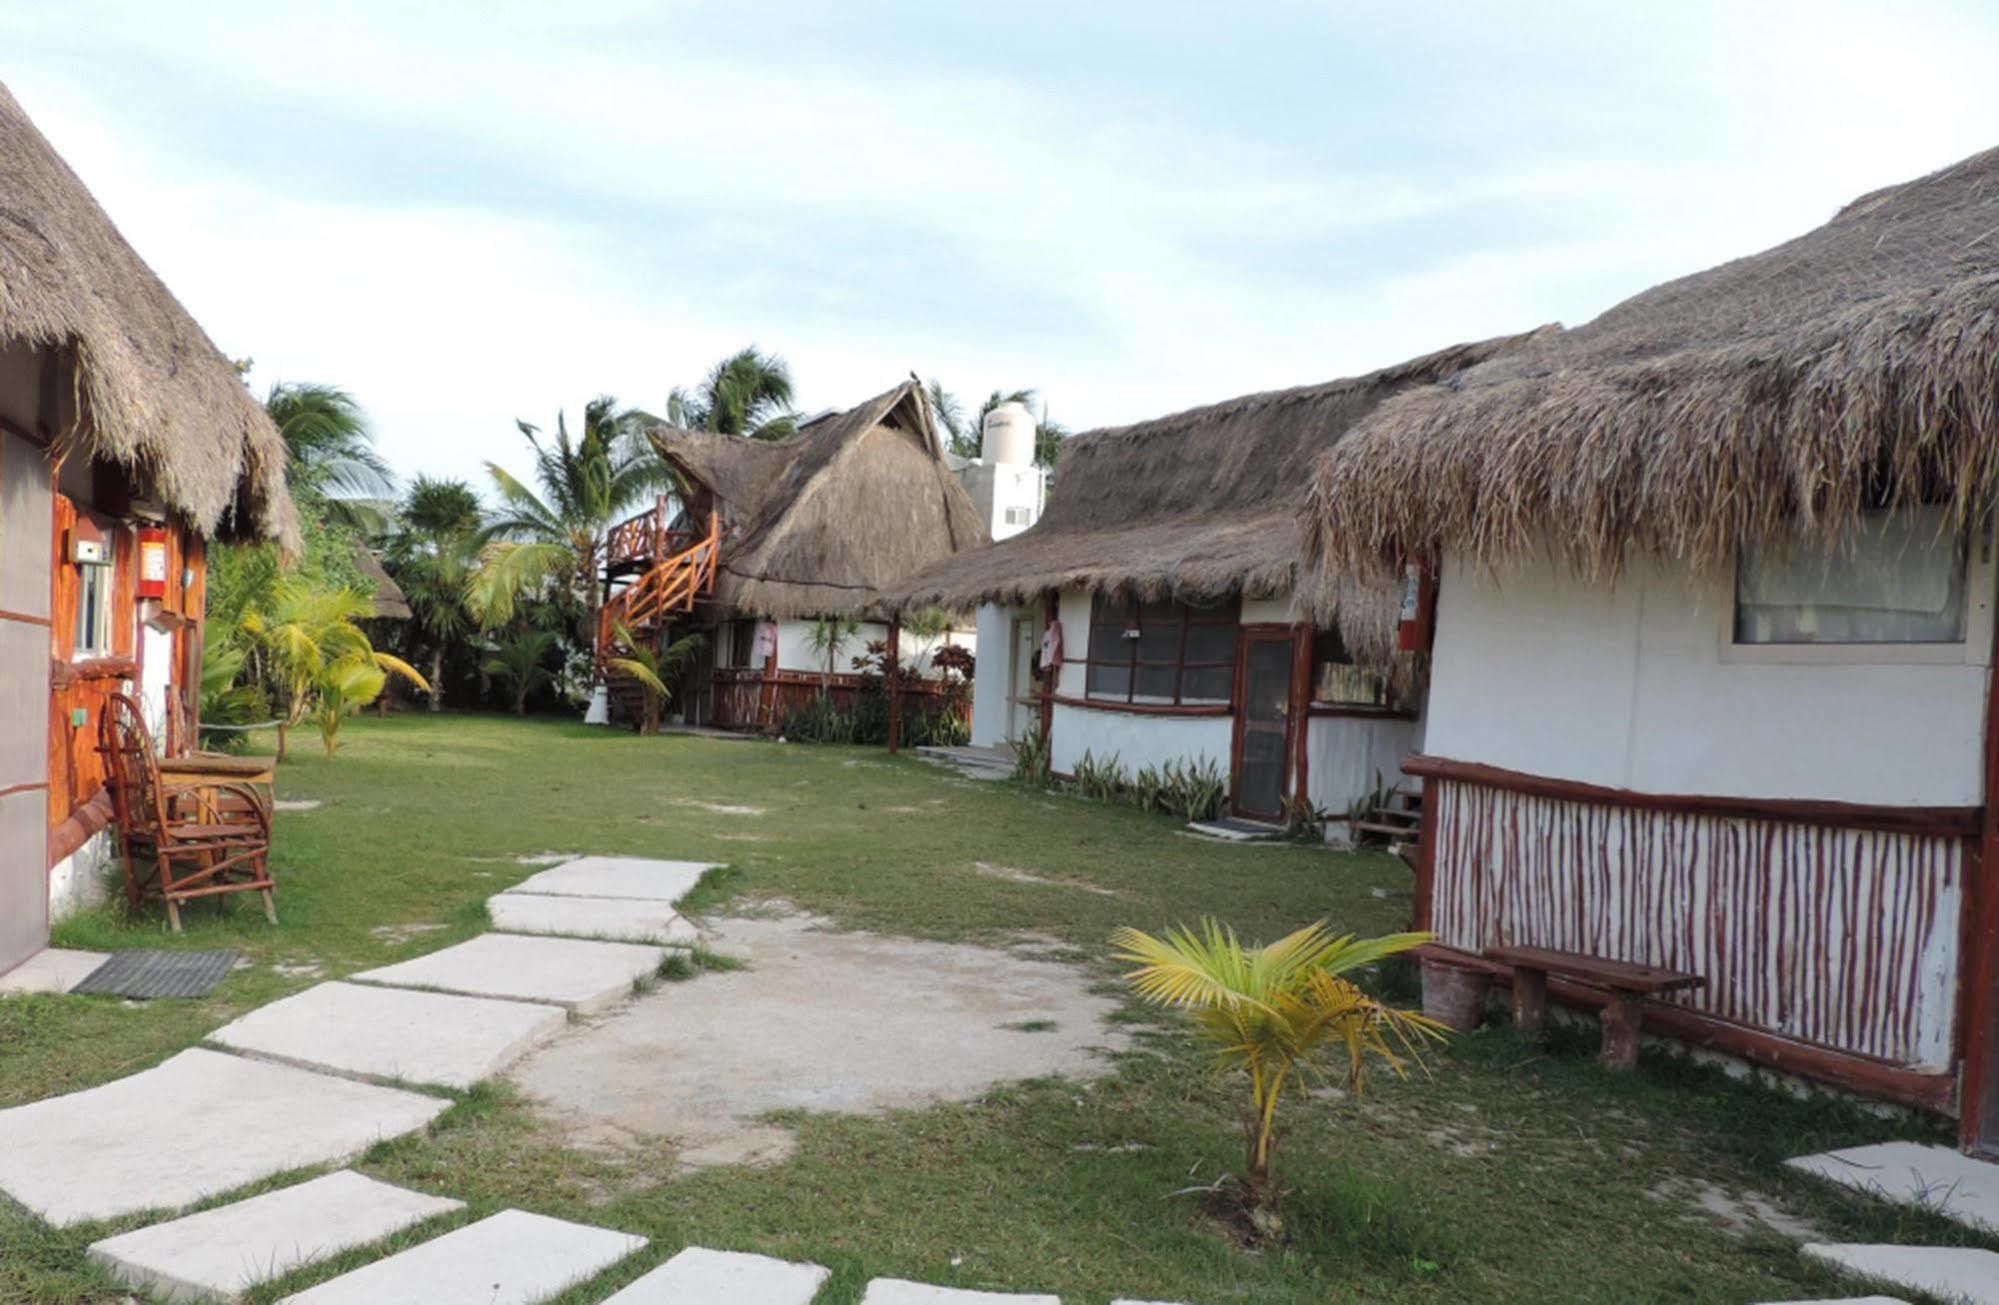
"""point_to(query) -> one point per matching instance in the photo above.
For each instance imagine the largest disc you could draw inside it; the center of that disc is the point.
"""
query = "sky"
(469, 213)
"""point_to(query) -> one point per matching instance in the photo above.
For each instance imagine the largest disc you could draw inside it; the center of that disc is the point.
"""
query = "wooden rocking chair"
(201, 840)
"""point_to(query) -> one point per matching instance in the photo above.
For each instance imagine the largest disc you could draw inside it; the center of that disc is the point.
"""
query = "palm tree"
(747, 393)
(657, 673)
(1269, 1012)
(330, 452)
(432, 555)
(587, 484)
(319, 655)
(964, 436)
(521, 662)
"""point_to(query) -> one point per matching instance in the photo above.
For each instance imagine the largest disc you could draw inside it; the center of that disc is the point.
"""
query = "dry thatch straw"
(150, 391)
(1765, 401)
(820, 523)
(391, 603)
(1200, 506)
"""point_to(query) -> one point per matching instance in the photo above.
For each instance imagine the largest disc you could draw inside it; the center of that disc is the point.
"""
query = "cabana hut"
(805, 534)
(1148, 615)
(1711, 685)
(127, 442)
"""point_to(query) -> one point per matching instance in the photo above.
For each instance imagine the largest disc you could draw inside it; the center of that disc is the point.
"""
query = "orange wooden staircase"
(674, 567)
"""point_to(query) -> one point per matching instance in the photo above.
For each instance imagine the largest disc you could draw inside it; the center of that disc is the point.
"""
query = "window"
(93, 611)
(1896, 578)
(1019, 516)
(1338, 681)
(1163, 653)
(742, 643)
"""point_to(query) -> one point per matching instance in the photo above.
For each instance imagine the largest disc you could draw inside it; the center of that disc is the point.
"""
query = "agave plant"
(1277, 1014)
(319, 656)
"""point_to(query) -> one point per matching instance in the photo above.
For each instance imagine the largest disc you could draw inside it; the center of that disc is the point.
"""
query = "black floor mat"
(144, 973)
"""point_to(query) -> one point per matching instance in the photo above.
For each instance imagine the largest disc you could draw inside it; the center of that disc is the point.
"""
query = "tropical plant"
(1276, 1015)
(318, 656)
(1031, 760)
(330, 453)
(965, 435)
(829, 634)
(747, 393)
(656, 671)
(432, 556)
(1102, 779)
(520, 661)
(226, 705)
(587, 484)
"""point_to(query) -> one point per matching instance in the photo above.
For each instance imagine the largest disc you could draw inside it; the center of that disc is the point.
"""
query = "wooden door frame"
(1978, 959)
(1271, 632)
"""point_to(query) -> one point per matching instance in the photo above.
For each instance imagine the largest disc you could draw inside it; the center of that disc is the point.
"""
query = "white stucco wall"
(1138, 740)
(1629, 687)
(993, 675)
(86, 878)
(795, 651)
(1346, 756)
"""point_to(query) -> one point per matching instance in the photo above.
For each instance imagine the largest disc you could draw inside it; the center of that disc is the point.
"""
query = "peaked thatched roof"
(154, 394)
(821, 522)
(1200, 505)
(1761, 401)
(391, 604)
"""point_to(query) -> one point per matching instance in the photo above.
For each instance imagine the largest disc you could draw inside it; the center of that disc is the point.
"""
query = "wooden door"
(1263, 722)
(26, 527)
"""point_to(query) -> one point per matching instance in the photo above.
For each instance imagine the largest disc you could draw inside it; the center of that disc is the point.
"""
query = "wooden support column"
(895, 684)
(1621, 1017)
(1300, 711)
(1051, 612)
(1978, 952)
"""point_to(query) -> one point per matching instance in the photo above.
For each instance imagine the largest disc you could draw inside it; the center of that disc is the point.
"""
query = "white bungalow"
(1711, 684)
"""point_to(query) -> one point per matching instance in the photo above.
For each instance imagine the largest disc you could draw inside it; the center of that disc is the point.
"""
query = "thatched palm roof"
(1200, 505)
(154, 394)
(1762, 401)
(391, 603)
(821, 522)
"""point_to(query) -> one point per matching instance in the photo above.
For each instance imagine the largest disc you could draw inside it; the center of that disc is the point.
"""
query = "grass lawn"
(1515, 1172)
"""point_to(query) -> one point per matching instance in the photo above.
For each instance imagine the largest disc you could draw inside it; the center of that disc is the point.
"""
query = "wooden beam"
(895, 683)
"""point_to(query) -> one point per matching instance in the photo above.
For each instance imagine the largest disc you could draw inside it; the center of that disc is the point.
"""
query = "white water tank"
(1007, 436)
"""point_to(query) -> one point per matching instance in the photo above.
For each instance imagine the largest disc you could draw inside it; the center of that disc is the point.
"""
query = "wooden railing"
(645, 538)
(672, 584)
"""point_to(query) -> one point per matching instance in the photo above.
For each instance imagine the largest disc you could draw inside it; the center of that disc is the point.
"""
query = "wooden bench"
(1628, 984)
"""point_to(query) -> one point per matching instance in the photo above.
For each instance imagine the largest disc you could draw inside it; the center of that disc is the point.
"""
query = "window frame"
(1319, 639)
(1228, 616)
(1975, 649)
(95, 603)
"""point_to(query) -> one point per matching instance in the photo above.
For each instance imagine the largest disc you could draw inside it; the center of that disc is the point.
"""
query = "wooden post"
(1530, 999)
(1622, 1015)
(894, 684)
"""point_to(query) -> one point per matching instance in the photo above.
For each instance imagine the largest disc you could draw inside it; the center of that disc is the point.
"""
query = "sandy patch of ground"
(1741, 1213)
(1017, 876)
(820, 1020)
(719, 808)
(398, 934)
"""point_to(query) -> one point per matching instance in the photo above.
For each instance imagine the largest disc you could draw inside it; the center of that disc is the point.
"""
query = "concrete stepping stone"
(1955, 1273)
(219, 1254)
(1828, 1300)
(586, 977)
(621, 919)
(1908, 1173)
(394, 1033)
(617, 876)
(896, 1291)
(52, 969)
(512, 1258)
(699, 1276)
(196, 1126)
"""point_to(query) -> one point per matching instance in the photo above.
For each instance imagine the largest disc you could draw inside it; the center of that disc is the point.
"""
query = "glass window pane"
(1155, 683)
(1108, 681)
(1159, 641)
(1894, 579)
(1207, 685)
(1210, 643)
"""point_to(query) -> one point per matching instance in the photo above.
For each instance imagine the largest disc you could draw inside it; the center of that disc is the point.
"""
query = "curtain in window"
(1896, 578)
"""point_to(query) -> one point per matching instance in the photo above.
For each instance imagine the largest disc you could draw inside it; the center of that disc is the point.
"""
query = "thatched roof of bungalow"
(1764, 402)
(1198, 506)
(153, 394)
(821, 522)
(391, 603)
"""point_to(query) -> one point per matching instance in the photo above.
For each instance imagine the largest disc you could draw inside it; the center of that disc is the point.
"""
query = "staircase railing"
(670, 585)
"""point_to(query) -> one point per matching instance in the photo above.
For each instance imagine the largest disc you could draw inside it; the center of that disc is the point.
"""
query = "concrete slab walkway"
(1908, 1173)
(699, 1275)
(52, 969)
(617, 876)
(393, 1033)
(897, 1291)
(512, 1258)
(128, 1145)
(584, 976)
(1955, 1273)
(618, 919)
(219, 1254)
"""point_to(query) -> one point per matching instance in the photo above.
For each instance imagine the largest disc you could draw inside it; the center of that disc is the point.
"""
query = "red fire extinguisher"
(152, 582)
(1419, 606)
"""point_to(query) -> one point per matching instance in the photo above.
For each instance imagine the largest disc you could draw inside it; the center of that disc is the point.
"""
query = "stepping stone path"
(896, 1291)
(219, 1254)
(392, 1033)
(621, 919)
(512, 1258)
(586, 977)
(617, 876)
(1927, 1177)
(52, 969)
(699, 1275)
(1954, 1273)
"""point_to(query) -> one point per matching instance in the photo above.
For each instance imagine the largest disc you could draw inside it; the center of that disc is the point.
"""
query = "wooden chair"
(201, 841)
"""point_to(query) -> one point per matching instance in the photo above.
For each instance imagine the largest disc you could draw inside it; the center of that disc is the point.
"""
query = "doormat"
(1237, 830)
(147, 974)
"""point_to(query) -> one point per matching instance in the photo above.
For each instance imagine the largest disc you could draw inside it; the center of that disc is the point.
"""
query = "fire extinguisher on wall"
(152, 579)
